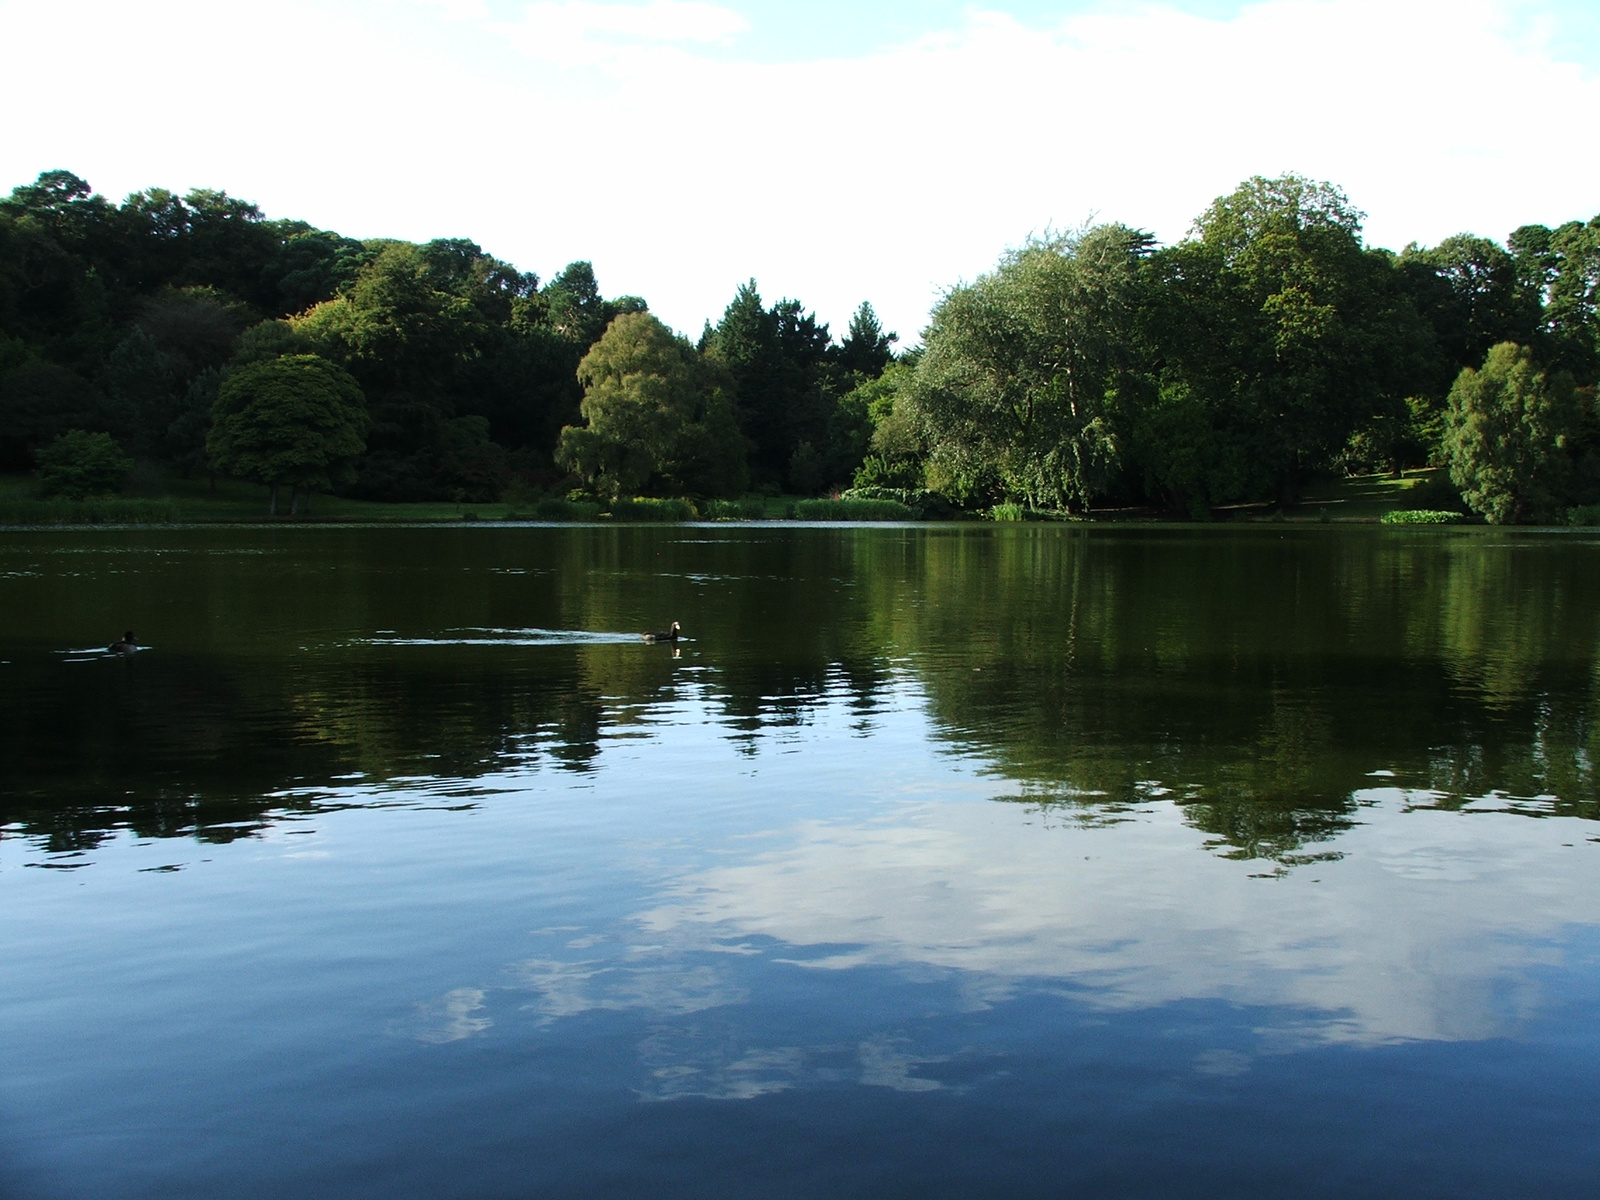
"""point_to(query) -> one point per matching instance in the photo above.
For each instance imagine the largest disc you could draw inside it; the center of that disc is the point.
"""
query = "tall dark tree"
(781, 360)
(866, 349)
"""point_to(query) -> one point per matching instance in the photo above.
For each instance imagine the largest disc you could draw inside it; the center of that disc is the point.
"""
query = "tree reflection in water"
(1256, 676)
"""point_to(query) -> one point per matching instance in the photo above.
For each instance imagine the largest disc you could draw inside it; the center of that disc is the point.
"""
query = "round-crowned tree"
(79, 464)
(298, 420)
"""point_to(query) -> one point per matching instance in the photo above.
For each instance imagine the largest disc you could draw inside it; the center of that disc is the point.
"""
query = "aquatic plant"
(1422, 516)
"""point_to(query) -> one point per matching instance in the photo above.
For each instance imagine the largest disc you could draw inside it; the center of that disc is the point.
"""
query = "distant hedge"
(853, 510)
(108, 511)
(734, 510)
(556, 509)
(643, 508)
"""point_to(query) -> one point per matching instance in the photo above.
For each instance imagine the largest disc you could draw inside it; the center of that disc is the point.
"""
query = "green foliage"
(39, 402)
(658, 416)
(269, 340)
(1268, 347)
(78, 465)
(1008, 512)
(786, 377)
(866, 349)
(920, 501)
(852, 510)
(649, 508)
(557, 509)
(1473, 295)
(1017, 389)
(297, 420)
(93, 511)
(1584, 514)
(1506, 432)
(1421, 516)
(733, 510)
(1274, 335)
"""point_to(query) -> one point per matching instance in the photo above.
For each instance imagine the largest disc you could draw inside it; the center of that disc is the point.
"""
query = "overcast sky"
(834, 151)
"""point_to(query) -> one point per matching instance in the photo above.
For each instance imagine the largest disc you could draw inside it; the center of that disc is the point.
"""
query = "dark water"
(961, 861)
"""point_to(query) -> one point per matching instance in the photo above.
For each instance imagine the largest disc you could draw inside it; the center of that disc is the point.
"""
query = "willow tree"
(657, 417)
(1016, 391)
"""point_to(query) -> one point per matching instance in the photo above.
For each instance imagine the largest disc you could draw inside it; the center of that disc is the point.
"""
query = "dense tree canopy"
(657, 416)
(1023, 367)
(298, 420)
(1507, 437)
(1269, 345)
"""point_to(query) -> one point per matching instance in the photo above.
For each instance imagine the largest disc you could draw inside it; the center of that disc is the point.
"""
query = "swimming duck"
(670, 635)
(127, 644)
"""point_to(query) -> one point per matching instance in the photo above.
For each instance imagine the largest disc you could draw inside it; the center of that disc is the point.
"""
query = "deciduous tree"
(298, 420)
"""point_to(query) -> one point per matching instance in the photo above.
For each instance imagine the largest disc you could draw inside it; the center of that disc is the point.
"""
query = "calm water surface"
(941, 861)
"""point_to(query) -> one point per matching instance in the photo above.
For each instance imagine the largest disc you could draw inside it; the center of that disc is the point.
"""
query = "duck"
(126, 644)
(670, 635)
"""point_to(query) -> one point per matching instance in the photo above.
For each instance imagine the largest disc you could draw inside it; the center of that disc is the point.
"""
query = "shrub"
(1008, 512)
(852, 510)
(921, 502)
(78, 465)
(733, 510)
(642, 508)
(1421, 516)
(1585, 514)
(556, 509)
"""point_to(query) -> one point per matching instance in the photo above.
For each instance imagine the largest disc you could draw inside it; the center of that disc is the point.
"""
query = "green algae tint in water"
(940, 861)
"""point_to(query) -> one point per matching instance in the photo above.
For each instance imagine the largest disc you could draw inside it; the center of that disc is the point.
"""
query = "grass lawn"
(232, 501)
(194, 501)
(1368, 497)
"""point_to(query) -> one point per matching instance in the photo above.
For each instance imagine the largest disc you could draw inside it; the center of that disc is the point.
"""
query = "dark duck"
(670, 635)
(126, 644)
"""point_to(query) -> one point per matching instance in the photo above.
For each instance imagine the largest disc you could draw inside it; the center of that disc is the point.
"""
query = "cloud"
(580, 32)
(1135, 916)
(638, 136)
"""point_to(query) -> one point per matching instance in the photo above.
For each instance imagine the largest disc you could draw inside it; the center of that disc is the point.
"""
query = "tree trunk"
(308, 502)
(294, 501)
(272, 501)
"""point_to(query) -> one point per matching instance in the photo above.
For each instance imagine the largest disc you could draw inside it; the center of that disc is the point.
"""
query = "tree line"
(1091, 368)
(193, 333)
(1269, 345)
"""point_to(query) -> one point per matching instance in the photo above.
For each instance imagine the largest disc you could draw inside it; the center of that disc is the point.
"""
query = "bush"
(555, 509)
(922, 503)
(1586, 514)
(88, 512)
(78, 465)
(1008, 512)
(734, 510)
(642, 508)
(853, 510)
(1421, 516)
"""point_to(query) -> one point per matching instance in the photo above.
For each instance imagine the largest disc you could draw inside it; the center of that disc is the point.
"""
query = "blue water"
(789, 918)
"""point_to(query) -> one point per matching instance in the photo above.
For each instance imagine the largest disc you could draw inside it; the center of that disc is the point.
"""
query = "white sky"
(685, 147)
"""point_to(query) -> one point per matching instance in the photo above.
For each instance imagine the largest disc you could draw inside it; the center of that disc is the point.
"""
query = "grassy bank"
(229, 501)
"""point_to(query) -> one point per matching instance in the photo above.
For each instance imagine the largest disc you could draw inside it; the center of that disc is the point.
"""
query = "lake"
(936, 861)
